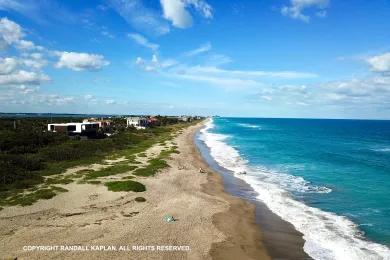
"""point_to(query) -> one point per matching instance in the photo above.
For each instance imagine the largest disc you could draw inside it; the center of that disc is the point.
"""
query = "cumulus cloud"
(177, 12)
(23, 77)
(380, 63)
(202, 49)
(80, 61)
(141, 40)
(11, 34)
(296, 8)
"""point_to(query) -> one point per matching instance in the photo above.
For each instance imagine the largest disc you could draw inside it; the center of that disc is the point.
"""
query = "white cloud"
(141, 40)
(106, 33)
(80, 61)
(380, 63)
(23, 77)
(215, 75)
(202, 49)
(176, 11)
(296, 8)
(154, 64)
(110, 102)
(253, 73)
(8, 65)
(233, 78)
(140, 17)
(34, 61)
(220, 81)
(10, 33)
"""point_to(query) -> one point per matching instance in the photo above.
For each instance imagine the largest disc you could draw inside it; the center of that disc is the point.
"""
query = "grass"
(112, 170)
(58, 189)
(30, 198)
(125, 186)
(154, 165)
(65, 180)
(140, 199)
(84, 171)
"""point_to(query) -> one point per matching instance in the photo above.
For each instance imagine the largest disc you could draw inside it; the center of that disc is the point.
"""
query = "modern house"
(85, 128)
(102, 123)
(137, 121)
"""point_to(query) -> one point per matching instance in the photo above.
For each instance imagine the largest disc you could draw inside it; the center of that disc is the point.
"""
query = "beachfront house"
(102, 123)
(85, 128)
(185, 118)
(138, 122)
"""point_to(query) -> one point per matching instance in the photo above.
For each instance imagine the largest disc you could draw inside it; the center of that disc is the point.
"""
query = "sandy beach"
(209, 222)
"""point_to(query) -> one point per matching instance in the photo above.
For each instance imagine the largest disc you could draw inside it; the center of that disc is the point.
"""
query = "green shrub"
(140, 199)
(154, 165)
(125, 186)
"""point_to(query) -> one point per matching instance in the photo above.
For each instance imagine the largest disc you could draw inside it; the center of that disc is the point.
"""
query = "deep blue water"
(349, 157)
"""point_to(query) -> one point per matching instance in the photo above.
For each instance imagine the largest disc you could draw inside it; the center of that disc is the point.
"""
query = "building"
(85, 128)
(153, 121)
(102, 123)
(185, 118)
(137, 121)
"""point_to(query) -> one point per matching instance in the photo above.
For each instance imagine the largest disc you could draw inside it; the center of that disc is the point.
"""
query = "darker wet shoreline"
(280, 238)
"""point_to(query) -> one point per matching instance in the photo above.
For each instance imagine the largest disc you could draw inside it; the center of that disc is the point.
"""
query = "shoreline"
(211, 222)
(280, 239)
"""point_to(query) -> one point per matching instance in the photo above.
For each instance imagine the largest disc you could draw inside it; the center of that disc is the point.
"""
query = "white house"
(74, 128)
(137, 122)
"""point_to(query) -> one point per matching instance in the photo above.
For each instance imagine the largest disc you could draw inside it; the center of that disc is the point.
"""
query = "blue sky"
(264, 58)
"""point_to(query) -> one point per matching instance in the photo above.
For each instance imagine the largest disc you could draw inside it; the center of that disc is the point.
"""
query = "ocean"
(329, 178)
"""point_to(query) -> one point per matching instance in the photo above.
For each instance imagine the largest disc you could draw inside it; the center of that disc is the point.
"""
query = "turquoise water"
(341, 167)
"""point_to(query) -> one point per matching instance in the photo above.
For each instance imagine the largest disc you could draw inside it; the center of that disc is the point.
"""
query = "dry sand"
(213, 224)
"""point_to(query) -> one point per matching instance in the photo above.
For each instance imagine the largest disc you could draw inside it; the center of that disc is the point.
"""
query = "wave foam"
(249, 125)
(326, 235)
(385, 150)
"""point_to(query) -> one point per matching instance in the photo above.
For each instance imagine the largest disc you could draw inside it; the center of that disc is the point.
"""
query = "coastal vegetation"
(140, 199)
(33, 160)
(125, 186)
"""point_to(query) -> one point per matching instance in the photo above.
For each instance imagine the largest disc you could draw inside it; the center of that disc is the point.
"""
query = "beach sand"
(209, 221)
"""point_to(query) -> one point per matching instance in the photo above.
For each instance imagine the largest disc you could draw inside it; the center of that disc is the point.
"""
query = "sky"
(247, 58)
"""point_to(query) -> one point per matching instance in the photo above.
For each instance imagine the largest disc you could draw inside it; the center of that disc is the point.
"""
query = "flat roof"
(66, 124)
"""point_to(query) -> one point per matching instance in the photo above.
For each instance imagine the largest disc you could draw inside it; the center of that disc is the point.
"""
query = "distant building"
(102, 123)
(153, 121)
(137, 121)
(85, 128)
(185, 118)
